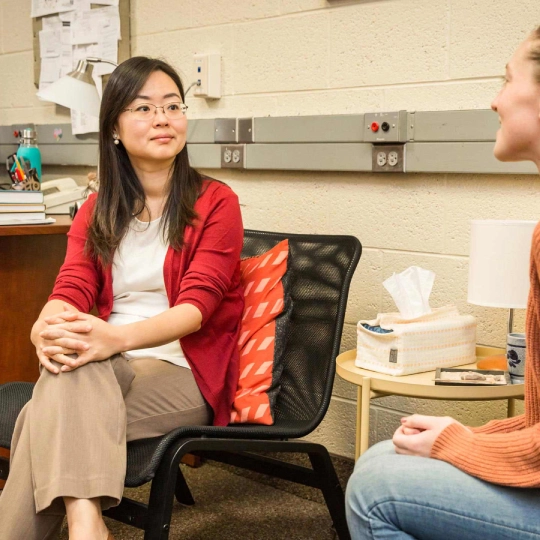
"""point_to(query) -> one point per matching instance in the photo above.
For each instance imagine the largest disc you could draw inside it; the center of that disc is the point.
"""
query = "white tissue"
(410, 291)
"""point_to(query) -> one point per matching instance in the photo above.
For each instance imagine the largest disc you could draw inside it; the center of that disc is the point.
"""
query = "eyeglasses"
(146, 111)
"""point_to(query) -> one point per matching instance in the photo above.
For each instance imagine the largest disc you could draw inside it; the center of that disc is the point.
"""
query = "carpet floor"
(232, 504)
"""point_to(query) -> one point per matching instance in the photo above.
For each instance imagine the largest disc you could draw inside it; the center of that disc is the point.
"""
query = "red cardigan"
(205, 273)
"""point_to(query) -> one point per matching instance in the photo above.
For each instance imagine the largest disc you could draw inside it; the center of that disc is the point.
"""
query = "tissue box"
(396, 346)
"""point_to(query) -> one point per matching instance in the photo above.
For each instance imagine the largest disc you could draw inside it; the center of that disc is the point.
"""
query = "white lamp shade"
(499, 263)
(73, 93)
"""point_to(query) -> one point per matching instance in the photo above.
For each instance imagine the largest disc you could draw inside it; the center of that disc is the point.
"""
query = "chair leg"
(331, 489)
(161, 497)
(181, 491)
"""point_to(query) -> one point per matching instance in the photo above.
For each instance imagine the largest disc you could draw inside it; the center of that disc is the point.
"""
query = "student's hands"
(417, 434)
(90, 338)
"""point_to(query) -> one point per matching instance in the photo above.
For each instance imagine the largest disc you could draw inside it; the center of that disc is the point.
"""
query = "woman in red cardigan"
(441, 480)
(157, 253)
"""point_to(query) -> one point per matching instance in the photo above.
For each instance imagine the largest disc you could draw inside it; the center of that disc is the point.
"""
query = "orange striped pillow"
(260, 364)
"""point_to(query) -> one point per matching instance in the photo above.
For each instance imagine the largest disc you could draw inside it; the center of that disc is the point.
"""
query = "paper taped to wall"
(48, 7)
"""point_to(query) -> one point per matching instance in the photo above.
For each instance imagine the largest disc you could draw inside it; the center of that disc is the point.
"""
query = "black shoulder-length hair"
(120, 195)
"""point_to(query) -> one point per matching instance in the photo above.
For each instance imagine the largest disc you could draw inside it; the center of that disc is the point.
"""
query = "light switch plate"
(207, 71)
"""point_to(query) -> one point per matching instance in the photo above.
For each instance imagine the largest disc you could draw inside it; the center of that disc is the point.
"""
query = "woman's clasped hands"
(417, 434)
(73, 338)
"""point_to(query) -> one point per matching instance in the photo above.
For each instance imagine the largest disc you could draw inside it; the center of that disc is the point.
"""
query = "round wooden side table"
(372, 385)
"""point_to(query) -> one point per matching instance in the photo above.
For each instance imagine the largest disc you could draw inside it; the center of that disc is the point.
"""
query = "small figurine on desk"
(93, 183)
(92, 186)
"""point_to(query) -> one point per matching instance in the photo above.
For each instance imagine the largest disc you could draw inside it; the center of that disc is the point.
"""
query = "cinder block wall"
(301, 57)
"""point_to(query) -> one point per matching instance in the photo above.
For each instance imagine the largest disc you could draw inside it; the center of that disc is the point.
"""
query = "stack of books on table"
(21, 206)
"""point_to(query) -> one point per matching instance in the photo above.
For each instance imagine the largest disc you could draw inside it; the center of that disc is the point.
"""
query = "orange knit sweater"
(506, 451)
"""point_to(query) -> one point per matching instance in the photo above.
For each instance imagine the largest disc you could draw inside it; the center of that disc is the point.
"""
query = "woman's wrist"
(121, 337)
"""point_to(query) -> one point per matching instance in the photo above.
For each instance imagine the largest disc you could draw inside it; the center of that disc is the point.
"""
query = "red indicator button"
(374, 127)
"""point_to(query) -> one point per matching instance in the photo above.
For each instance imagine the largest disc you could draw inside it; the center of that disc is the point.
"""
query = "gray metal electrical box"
(225, 130)
(385, 127)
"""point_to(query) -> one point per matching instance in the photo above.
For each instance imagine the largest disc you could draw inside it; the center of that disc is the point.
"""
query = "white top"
(139, 288)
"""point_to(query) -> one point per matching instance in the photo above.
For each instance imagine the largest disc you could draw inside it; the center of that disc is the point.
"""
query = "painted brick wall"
(301, 57)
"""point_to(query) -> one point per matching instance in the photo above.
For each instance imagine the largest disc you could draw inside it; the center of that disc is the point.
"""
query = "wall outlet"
(207, 71)
(388, 158)
(232, 156)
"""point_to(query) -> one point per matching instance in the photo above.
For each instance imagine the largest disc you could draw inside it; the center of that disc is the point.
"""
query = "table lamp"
(499, 264)
(77, 89)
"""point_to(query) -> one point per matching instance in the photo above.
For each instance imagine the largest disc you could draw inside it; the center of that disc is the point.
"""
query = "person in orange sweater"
(440, 479)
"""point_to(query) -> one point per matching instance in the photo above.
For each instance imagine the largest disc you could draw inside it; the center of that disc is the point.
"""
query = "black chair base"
(169, 480)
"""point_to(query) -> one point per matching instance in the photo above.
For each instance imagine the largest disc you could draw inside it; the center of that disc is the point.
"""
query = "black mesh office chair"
(322, 268)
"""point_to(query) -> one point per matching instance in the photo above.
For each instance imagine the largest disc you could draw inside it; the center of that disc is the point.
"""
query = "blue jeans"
(390, 496)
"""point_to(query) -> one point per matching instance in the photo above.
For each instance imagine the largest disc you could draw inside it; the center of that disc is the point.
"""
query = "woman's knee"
(86, 386)
(365, 486)
(381, 478)
(368, 477)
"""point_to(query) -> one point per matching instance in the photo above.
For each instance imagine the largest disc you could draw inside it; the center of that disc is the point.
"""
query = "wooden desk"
(30, 257)
(372, 384)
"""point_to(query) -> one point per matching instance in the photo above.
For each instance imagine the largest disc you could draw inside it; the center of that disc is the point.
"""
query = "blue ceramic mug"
(515, 355)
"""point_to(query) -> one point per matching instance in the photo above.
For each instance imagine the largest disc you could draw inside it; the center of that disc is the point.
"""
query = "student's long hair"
(121, 195)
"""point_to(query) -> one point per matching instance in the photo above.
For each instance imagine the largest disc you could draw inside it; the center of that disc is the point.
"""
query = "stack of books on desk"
(21, 206)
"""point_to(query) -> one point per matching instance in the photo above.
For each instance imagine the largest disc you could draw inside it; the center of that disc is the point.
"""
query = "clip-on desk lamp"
(77, 89)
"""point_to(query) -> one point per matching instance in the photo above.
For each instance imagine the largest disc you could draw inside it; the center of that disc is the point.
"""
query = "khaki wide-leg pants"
(70, 438)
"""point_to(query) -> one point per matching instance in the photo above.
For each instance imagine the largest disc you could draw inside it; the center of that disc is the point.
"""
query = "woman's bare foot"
(84, 519)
